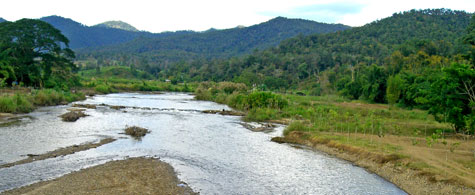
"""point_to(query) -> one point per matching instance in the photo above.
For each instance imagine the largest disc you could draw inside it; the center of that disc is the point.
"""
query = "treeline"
(34, 53)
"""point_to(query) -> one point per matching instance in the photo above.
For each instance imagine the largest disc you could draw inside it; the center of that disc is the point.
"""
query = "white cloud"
(157, 16)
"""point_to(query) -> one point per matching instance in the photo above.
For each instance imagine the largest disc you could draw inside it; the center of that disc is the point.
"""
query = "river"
(213, 154)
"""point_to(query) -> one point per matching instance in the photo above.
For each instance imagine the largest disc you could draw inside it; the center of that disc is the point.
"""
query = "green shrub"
(296, 126)
(103, 89)
(261, 114)
(23, 104)
(230, 87)
(48, 97)
(261, 99)
(7, 104)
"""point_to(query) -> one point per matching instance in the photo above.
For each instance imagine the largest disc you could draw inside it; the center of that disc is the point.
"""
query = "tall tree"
(37, 51)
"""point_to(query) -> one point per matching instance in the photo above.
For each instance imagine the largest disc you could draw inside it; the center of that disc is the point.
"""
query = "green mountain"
(303, 57)
(82, 36)
(210, 44)
(118, 25)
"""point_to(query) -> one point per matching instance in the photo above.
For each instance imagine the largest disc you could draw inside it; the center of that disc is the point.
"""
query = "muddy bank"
(59, 152)
(7, 119)
(259, 127)
(224, 112)
(131, 176)
(386, 166)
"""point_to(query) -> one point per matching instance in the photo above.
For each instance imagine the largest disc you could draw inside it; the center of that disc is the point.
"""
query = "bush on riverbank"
(237, 96)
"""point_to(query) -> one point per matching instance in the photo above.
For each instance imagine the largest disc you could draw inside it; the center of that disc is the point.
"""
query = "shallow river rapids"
(213, 154)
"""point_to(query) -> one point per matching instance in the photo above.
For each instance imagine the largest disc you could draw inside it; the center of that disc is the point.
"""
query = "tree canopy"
(34, 53)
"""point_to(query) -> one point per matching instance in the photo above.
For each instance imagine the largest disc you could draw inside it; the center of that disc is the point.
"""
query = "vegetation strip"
(59, 152)
(130, 176)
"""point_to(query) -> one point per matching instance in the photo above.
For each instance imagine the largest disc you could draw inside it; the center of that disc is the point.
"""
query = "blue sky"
(171, 15)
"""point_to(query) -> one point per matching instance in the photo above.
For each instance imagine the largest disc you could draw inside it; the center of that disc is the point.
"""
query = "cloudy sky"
(171, 15)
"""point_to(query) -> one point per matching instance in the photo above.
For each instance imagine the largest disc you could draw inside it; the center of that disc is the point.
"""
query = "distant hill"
(81, 36)
(118, 25)
(2, 20)
(212, 43)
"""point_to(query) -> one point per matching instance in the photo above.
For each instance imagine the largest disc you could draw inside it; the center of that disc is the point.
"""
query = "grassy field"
(411, 139)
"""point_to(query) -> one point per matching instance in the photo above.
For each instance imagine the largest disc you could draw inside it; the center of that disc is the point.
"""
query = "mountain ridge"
(214, 43)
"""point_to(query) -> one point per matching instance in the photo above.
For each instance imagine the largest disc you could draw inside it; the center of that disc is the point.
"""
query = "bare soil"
(131, 176)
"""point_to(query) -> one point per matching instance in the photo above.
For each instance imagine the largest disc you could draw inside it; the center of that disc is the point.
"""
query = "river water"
(213, 154)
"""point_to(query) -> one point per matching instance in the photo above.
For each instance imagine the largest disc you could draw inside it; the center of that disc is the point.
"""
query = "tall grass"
(26, 102)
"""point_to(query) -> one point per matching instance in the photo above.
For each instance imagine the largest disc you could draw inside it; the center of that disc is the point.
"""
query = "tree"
(394, 88)
(449, 101)
(37, 52)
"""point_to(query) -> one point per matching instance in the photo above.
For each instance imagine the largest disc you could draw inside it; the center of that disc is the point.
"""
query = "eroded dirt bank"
(386, 166)
(59, 152)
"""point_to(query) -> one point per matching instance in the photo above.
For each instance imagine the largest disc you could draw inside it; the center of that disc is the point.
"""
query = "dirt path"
(131, 176)
(59, 152)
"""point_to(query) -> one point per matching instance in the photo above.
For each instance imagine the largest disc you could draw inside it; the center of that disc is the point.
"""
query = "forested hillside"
(210, 44)
(2, 20)
(302, 58)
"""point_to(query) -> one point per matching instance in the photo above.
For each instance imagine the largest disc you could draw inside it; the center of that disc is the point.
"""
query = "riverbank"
(407, 147)
(130, 176)
(59, 152)
(407, 173)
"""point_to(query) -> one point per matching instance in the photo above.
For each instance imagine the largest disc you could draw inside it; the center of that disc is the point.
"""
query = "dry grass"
(72, 116)
(136, 132)
(131, 176)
